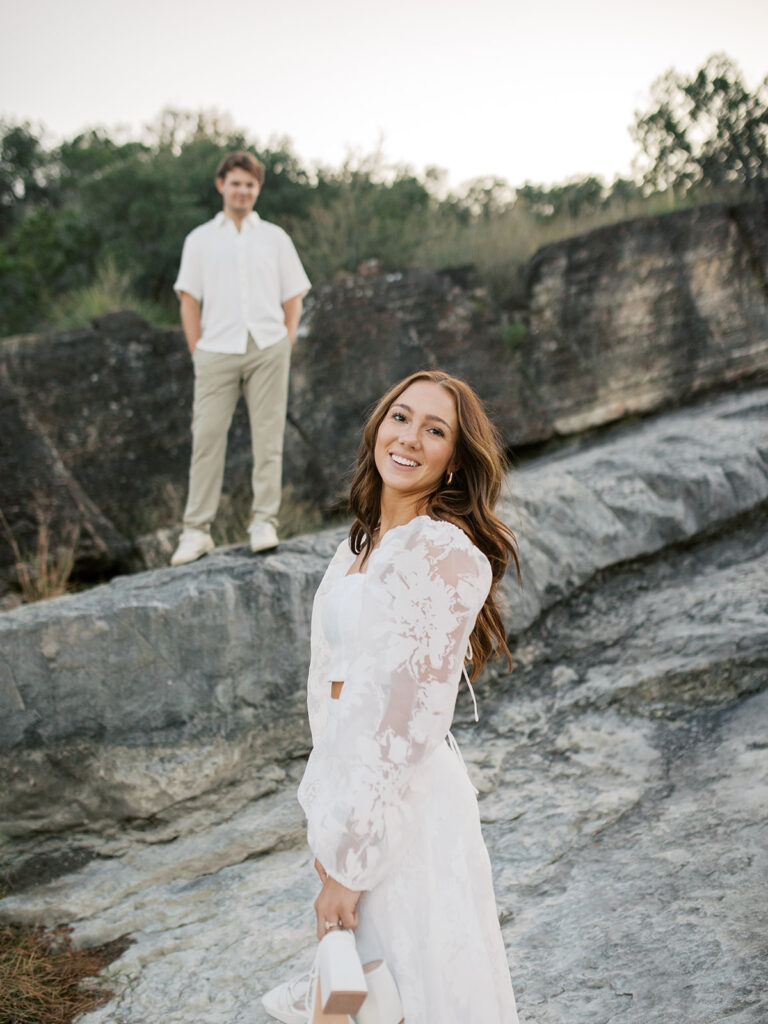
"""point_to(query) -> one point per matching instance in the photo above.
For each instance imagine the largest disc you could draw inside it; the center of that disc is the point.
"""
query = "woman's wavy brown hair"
(468, 501)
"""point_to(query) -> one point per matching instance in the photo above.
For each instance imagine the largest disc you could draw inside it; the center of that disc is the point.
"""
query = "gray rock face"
(97, 432)
(121, 702)
(630, 756)
(644, 487)
(40, 494)
(624, 798)
(644, 314)
(156, 687)
(362, 336)
(114, 401)
(152, 731)
(631, 318)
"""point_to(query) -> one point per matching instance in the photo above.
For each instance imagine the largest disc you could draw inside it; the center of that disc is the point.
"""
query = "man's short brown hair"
(245, 161)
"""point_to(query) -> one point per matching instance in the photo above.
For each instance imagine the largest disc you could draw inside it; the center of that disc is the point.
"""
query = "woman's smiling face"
(416, 440)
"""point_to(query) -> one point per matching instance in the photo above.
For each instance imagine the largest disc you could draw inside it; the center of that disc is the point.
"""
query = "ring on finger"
(332, 924)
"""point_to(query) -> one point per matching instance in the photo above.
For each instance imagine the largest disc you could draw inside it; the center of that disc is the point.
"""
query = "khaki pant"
(262, 376)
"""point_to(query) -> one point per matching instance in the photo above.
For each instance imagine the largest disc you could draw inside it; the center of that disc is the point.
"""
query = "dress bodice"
(341, 621)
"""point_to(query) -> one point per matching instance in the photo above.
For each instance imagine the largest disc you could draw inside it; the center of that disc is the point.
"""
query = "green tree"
(365, 210)
(19, 293)
(95, 202)
(148, 198)
(486, 197)
(25, 169)
(706, 130)
(85, 156)
(570, 199)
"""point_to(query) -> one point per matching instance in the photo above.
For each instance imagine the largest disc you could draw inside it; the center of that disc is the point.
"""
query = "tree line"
(100, 211)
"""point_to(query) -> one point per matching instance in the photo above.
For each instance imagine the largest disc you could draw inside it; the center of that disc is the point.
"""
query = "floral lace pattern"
(390, 809)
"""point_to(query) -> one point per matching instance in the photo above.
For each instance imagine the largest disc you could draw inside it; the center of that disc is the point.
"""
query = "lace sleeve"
(424, 588)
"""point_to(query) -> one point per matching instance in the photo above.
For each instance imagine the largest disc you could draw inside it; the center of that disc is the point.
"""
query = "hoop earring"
(449, 479)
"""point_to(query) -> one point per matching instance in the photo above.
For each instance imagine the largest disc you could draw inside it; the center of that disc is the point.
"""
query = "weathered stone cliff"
(107, 406)
(39, 490)
(621, 766)
(605, 306)
(162, 686)
(627, 319)
(152, 730)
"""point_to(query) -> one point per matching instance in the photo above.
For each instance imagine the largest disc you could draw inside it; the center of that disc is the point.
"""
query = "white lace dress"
(390, 808)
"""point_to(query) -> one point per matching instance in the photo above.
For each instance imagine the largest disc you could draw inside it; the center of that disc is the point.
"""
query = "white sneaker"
(288, 1002)
(263, 536)
(192, 544)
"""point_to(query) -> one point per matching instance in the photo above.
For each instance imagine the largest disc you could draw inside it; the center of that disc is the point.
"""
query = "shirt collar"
(251, 221)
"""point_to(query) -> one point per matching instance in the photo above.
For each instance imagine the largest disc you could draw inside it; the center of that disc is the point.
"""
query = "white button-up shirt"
(241, 278)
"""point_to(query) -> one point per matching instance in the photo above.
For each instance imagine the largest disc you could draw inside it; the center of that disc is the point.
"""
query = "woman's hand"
(336, 903)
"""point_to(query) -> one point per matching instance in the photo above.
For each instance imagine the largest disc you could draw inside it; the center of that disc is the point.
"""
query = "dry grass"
(501, 246)
(46, 571)
(41, 975)
(162, 507)
(233, 517)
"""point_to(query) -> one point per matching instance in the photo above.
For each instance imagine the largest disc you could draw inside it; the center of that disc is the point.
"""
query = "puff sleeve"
(423, 590)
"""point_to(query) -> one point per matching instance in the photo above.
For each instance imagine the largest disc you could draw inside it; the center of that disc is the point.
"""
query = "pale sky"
(523, 91)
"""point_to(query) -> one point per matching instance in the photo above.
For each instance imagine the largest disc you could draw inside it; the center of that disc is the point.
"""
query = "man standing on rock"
(241, 286)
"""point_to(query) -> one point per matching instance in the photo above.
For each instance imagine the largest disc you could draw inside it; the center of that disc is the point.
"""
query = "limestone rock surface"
(153, 730)
(130, 699)
(648, 313)
(630, 318)
(152, 689)
(624, 799)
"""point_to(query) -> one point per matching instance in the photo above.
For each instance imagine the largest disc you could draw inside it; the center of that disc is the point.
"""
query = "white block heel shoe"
(338, 983)
(382, 1004)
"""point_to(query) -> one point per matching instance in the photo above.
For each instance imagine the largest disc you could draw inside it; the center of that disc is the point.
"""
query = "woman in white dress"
(392, 816)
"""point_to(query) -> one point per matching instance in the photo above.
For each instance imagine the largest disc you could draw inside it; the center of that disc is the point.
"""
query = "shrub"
(111, 290)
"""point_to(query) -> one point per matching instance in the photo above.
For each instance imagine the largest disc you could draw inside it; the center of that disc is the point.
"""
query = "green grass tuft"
(110, 291)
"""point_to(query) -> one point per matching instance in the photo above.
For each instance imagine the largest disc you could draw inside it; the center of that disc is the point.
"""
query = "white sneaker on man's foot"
(288, 1001)
(192, 544)
(263, 536)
